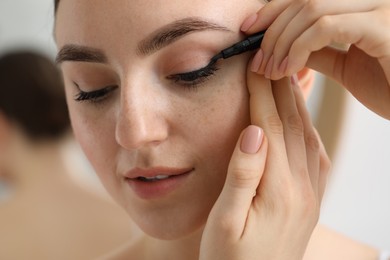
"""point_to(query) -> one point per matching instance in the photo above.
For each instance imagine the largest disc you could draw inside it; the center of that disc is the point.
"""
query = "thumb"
(244, 173)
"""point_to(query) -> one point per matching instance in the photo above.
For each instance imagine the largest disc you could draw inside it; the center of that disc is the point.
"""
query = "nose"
(141, 121)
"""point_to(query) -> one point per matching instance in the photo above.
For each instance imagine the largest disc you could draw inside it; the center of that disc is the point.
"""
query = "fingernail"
(257, 60)
(252, 139)
(248, 22)
(294, 80)
(268, 69)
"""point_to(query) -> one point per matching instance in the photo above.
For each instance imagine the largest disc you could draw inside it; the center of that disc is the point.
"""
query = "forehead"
(90, 22)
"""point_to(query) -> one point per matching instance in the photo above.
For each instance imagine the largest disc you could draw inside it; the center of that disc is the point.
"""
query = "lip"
(156, 188)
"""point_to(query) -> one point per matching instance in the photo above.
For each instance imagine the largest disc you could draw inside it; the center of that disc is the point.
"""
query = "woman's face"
(139, 110)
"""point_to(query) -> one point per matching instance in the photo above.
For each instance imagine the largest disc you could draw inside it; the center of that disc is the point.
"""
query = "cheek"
(94, 130)
(97, 140)
(216, 128)
(227, 116)
(220, 122)
(228, 112)
(87, 135)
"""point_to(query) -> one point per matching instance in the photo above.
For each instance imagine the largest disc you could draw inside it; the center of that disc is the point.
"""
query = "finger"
(312, 144)
(292, 126)
(346, 28)
(265, 16)
(273, 33)
(263, 111)
(325, 166)
(327, 62)
(261, 21)
(301, 21)
(354, 70)
(244, 173)
(354, 73)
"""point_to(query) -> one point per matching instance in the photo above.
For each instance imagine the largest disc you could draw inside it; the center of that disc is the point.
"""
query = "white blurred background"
(358, 198)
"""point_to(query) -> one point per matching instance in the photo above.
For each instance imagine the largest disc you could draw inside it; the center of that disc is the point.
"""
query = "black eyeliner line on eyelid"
(193, 76)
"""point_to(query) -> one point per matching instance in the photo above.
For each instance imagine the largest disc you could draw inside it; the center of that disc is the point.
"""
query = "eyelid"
(186, 61)
(194, 78)
(197, 71)
(95, 95)
(111, 86)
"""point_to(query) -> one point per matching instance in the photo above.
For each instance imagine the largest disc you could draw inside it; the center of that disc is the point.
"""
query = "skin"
(126, 131)
(150, 120)
(47, 209)
(300, 33)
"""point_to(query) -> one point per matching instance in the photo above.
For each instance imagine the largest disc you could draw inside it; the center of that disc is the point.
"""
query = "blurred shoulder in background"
(44, 212)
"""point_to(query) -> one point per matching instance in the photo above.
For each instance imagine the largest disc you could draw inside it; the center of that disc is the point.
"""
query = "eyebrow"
(174, 31)
(73, 52)
(152, 43)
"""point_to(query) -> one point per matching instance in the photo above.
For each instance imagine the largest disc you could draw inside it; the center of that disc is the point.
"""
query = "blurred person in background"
(44, 214)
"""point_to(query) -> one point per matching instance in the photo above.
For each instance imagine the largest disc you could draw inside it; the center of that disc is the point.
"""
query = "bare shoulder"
(328, 244)
(129, 251)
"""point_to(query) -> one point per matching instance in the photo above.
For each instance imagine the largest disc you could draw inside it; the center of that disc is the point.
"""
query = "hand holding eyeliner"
(253, 42)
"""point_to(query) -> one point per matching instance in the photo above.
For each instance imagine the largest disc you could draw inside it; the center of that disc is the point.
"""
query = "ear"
(306, 81)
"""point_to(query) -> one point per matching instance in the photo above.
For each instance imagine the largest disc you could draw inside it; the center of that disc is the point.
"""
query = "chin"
(172, 231)
(173, 226)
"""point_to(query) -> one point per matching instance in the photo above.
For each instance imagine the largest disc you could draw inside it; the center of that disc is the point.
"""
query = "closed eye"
(94, 96)
(194, 78)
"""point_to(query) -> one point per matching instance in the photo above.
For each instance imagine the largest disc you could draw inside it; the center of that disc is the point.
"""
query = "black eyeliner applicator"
(253, 42)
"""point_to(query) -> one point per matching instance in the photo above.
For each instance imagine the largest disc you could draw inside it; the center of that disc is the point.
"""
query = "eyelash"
(194, 78)
(190, 80)
(94, 96)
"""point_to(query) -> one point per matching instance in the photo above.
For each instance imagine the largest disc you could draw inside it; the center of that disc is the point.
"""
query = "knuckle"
(383, 18)
(309, 205)
(298, 45)
(309, 200)
(324, 23)
(298, 200)
(273, 124)
(384, 15)
(244, 177)
(314, 7)
(312, 142)
(295, 124)
(326, 163)
(286, 200)
(327, 160)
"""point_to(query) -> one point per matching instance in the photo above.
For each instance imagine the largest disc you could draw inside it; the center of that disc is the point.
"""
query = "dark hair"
(32, 94)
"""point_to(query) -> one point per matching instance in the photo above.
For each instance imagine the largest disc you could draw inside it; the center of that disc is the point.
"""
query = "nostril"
(136, 131)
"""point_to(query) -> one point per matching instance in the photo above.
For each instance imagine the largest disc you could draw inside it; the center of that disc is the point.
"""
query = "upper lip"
(155, 171)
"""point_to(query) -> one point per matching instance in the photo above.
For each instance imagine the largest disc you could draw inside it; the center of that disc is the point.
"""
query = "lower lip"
(157, 189)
